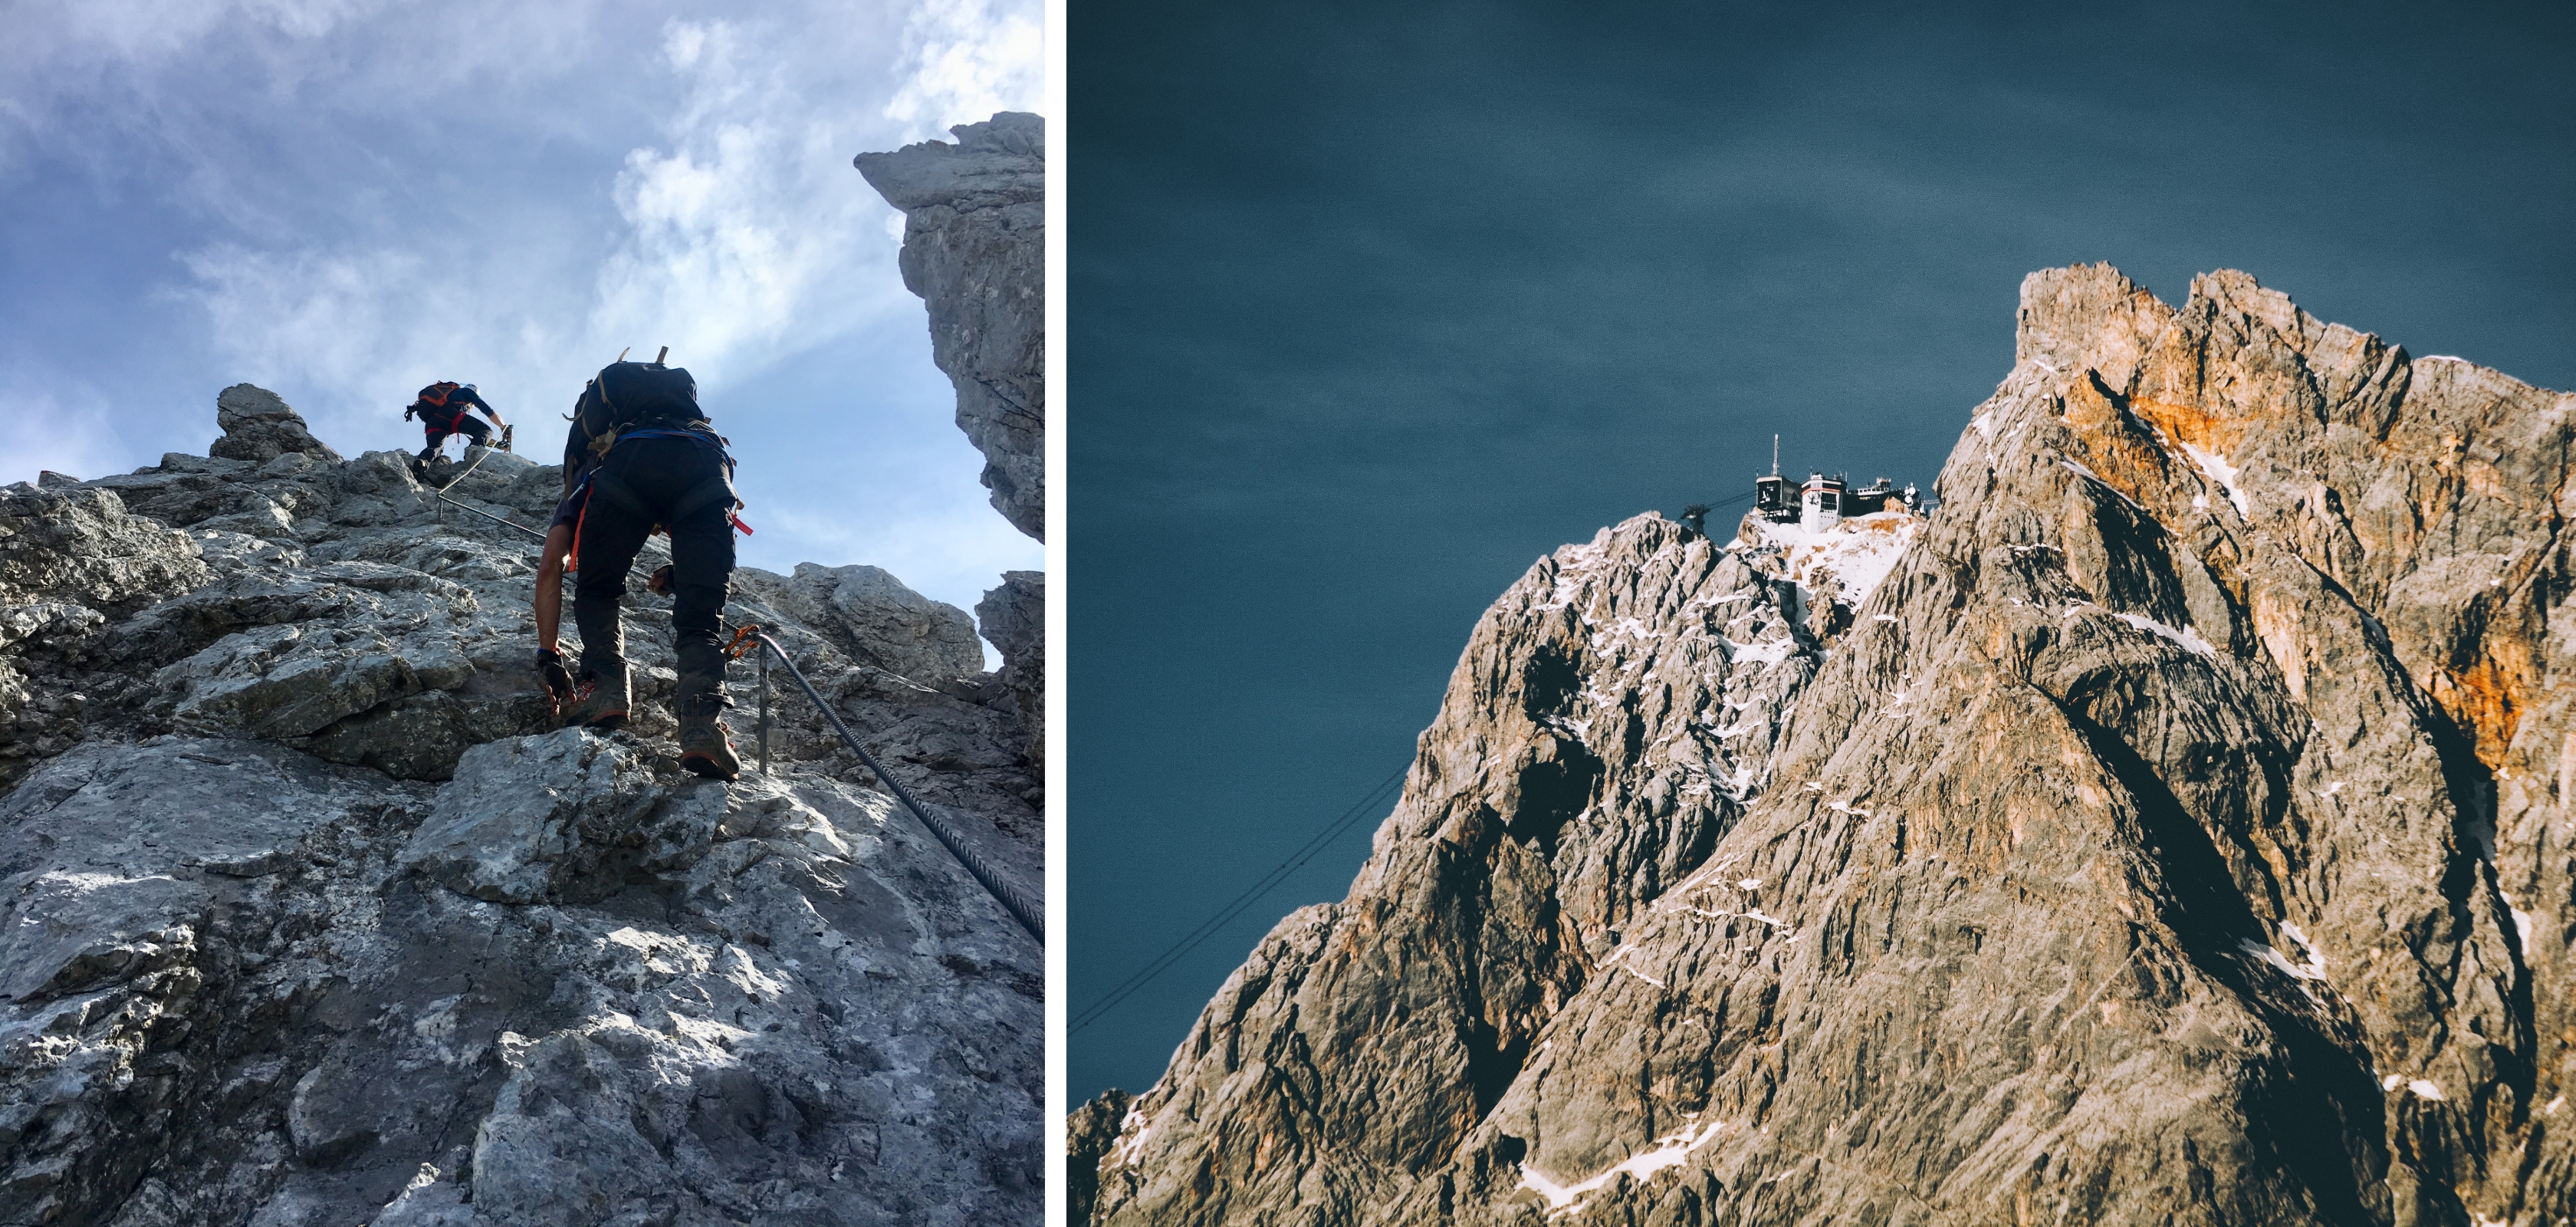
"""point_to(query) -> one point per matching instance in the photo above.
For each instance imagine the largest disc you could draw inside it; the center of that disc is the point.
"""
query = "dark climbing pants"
(659, 474)
(473, 428)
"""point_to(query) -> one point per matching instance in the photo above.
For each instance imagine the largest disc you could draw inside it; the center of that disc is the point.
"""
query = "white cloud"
(963, 61)
(44, 430)
(358, 197)
(745, 238)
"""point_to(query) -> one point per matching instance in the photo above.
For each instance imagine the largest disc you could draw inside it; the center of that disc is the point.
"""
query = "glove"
(408, 412)
(550, 666)
(505, 437)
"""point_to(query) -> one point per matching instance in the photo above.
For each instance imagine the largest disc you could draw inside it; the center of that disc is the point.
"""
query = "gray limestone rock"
(1013, 618)
(974, 249)
(543, 819)
(2172, 833)
(83, 546)
(257, 967)
(261, 429)
(70, 558)
(874, 619)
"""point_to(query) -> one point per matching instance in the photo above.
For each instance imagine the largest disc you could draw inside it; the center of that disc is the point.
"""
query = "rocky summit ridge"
(307, 917)
(2178, 832)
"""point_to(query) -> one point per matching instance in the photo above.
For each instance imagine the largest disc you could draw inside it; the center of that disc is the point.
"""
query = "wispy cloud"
(345, 199)
(742, 238)
(965, 58)
(64, 429)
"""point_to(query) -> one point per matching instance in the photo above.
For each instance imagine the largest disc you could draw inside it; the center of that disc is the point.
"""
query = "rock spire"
(2173, 835)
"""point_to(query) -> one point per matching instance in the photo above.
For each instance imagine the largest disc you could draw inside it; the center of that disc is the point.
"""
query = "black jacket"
(458, 402)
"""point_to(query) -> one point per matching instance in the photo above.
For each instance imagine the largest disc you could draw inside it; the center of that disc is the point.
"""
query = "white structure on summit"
(1826, 501)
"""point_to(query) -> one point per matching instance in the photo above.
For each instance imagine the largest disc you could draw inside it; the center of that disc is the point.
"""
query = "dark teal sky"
(1372, 305)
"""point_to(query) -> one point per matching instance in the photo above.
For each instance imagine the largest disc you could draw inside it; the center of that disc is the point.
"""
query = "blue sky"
(342, 200)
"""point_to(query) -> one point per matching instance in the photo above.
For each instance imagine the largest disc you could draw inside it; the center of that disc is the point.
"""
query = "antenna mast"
(1775, 455)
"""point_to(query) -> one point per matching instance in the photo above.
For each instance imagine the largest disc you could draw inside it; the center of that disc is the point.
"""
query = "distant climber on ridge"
(651, 458)
(442, 408)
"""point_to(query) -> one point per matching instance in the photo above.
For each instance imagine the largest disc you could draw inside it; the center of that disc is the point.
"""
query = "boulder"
(259, 427)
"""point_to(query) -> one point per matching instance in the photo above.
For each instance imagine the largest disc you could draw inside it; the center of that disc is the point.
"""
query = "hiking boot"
(599, 697)
(699, 698)
(704, 747)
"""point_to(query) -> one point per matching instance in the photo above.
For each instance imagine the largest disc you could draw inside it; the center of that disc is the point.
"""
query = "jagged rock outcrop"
(2176, 834)
(306, 917)
(874, 619)
(974, 249)
(260, 427)
(1014, 618)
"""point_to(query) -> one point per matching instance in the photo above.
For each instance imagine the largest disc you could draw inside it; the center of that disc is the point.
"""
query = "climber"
(643, 455)
(550, 573)
(442, 408)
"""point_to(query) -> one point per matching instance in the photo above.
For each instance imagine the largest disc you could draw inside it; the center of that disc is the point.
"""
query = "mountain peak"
(2166, 836)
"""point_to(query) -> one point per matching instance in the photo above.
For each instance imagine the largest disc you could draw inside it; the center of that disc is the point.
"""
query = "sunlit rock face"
(2169, 829)
(308, 916)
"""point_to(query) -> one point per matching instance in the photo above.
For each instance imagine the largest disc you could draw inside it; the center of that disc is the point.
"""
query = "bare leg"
(550, 570)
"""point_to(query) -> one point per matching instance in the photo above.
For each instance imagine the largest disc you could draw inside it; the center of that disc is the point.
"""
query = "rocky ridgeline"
(974, 249)
(2177, 834)
(307, 918)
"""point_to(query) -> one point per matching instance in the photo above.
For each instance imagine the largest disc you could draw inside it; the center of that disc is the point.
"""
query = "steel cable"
(1208, 928)
(1012, 900)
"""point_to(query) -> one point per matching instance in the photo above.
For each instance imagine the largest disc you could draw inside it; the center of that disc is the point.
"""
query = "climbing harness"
(1020, 907)
(714, 489)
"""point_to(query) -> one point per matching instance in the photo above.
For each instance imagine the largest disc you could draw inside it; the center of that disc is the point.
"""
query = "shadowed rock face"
(306, 916)
(1014, 618)
(974, 249)
(2174, 835)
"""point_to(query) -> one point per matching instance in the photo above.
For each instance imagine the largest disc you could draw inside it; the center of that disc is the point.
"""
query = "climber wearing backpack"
(654, 460)
(442, 409)
(551, 567)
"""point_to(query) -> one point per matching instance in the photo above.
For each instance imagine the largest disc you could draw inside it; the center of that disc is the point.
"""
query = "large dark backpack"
(637, 394)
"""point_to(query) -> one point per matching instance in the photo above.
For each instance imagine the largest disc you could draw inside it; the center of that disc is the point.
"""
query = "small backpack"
(432, 405)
